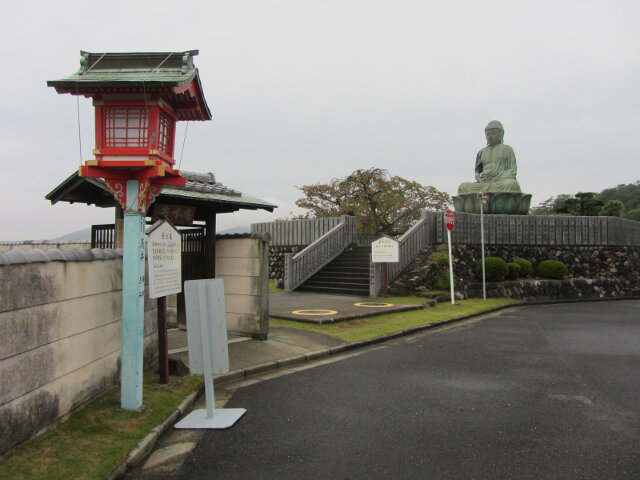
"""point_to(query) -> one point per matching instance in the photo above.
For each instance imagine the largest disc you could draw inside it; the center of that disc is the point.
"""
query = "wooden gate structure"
(193, 206)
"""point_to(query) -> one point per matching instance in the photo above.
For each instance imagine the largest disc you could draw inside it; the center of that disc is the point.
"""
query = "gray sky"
(302, 92)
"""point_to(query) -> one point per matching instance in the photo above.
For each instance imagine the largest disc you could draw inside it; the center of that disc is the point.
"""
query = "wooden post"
(384, 277)
(163, 344)
(210, 246)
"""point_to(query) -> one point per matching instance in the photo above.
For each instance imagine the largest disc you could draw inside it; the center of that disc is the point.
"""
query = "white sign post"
(385, 250)
(208, 350)
(450, 222)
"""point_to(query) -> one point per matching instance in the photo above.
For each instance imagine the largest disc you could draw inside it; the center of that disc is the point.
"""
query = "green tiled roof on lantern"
(146, 73)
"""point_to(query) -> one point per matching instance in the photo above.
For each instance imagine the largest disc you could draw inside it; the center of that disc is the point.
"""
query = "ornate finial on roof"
(84, 62)
(187, 62)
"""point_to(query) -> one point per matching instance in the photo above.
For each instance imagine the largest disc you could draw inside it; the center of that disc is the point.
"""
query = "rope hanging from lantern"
(184, 139)
(154, 70)
(79, 130)
(78, 107)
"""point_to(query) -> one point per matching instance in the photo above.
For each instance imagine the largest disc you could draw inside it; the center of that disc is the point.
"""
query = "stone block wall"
(593, 272)
(276, 261)
(60, 317)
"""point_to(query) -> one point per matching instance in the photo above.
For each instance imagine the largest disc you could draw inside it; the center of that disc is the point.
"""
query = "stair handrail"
(410, 244)
(300, 267)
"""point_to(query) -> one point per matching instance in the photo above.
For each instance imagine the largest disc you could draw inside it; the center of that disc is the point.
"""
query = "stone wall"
(593, 272)
(60, 318)
(276, 262)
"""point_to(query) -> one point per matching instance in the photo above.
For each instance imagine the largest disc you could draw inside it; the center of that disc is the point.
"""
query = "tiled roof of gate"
(201, 187)
(17, 256)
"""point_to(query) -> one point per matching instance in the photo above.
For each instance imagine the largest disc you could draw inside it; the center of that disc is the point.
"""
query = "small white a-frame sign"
(208, 350)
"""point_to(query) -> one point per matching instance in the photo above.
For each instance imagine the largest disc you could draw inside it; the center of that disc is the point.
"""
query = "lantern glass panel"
(165, 139)
(126, 127)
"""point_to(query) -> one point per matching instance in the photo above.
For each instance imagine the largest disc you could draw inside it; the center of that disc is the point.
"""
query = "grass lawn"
(378, 326)
(97, 438)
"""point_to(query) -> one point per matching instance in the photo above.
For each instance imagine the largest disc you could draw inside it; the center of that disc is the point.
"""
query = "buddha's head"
(494, 132)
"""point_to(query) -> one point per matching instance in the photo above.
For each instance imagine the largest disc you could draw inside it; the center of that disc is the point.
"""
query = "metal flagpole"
(484, 282)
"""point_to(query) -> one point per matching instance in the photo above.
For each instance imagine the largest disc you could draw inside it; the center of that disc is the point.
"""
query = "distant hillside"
(592, 203)
(231, 231)
(628, 194)
(84, 235)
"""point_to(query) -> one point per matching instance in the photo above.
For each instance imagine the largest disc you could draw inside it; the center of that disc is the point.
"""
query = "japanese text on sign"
(164, 253)
(385, 250)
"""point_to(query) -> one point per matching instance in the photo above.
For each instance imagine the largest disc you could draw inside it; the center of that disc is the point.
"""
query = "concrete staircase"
(348, 274)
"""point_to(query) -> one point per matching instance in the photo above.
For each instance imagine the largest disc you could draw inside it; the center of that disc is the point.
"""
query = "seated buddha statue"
(496, 167)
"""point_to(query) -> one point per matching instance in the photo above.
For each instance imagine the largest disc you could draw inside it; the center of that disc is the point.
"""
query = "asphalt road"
(544, 392)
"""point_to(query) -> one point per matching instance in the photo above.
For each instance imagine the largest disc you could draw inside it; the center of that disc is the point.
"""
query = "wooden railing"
(103, 236)
(299, 267)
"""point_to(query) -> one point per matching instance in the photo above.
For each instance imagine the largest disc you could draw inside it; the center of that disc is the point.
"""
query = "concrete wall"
(60, 320)
(243, 263)
(539, 230)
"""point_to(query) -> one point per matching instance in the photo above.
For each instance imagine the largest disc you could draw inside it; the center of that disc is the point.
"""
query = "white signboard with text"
(385, 250)
(164, 254)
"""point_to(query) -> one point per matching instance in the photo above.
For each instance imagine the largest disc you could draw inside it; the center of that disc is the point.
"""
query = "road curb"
(144, 447)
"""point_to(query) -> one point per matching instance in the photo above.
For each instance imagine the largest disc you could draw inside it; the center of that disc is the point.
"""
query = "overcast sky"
(305, 91)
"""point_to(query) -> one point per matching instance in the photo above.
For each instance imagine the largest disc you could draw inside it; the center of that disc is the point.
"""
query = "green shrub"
(513, 271)
(552, 269)
(495, 269)
(525, 266)
(443, 281)
(441, 255)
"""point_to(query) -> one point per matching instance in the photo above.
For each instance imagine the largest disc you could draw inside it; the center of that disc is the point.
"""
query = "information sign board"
(164, 254)
(385, 250)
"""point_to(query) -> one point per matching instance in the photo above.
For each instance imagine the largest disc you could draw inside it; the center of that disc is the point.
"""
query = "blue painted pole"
(133, 276)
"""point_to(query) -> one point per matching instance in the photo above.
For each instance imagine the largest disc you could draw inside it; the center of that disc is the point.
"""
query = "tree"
(628, 194)
(633, 214)
(591, 204)
(547, 207)
(380, 202)
(581, 204)
(613, 208)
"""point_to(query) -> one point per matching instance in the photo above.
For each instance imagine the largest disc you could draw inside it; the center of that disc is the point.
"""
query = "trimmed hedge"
(552, 269)
(525, 266)
(513, 271)
(495, 269)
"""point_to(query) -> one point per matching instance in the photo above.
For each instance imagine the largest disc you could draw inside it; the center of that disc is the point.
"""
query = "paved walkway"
(326, 308)
(287, 344)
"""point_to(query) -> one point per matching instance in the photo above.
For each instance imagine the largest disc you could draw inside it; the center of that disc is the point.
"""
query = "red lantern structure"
(138, 97)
